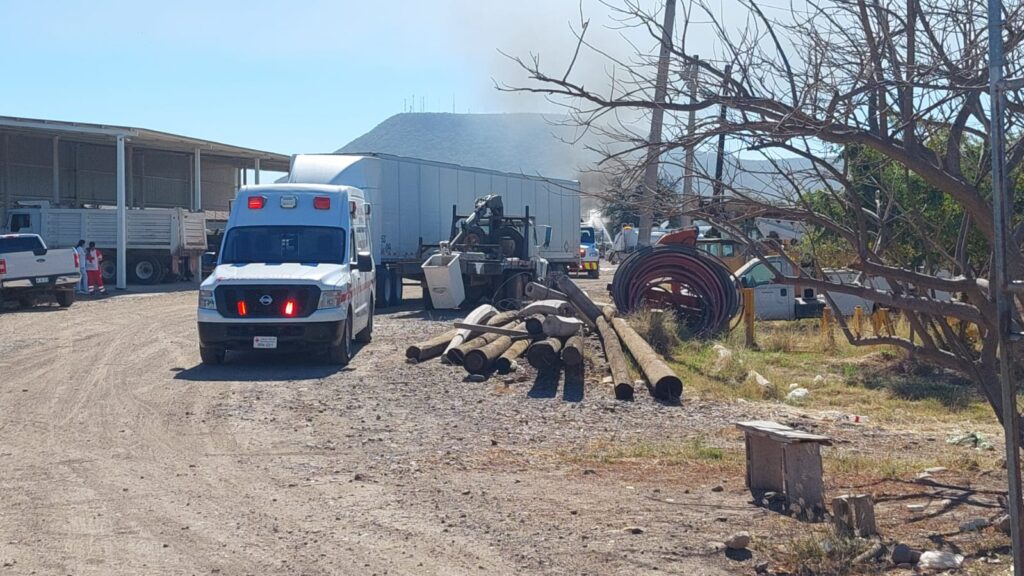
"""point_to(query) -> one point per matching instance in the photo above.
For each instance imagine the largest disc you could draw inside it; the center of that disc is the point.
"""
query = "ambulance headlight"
(206, 300)
(332, 299)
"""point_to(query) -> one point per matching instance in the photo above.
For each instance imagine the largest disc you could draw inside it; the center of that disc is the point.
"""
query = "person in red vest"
(93, 258)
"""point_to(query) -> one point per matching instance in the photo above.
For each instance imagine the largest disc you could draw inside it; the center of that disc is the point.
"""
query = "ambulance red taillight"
(289, 308)
(242, 310)
(256, 202)
(3, 266)
(322, 202)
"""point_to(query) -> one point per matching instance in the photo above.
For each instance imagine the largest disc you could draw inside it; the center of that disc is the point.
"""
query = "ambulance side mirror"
(364, 262)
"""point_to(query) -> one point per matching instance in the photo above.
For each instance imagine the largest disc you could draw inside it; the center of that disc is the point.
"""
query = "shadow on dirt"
(256, 367)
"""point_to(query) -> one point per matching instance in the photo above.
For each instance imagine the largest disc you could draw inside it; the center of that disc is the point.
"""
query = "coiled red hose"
(693, 283)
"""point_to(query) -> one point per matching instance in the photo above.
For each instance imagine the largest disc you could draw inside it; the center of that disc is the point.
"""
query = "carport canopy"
(128, 140)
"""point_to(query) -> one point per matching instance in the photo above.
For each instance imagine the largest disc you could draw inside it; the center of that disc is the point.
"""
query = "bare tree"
(875, 99)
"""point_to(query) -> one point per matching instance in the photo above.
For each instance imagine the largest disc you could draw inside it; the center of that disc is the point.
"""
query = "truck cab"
(774, 300)
(295, 271)
(590, 256)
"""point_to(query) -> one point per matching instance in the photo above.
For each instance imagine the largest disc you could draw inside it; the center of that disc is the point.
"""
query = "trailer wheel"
(428, 302)
(383, 287)
(146, 270)
(341, 353)
(65, 298)
(108, 269)
(396, 287)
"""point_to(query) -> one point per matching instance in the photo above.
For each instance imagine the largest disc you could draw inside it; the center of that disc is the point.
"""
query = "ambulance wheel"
(65, 298)
(366, 334)
(211, 356)
(595, 274)
(341, 353)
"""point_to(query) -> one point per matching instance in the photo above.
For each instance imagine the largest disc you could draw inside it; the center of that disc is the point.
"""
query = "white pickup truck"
(29, 271)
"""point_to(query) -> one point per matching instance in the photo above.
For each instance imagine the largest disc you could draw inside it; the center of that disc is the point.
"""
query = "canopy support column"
(122, 222)
(197, 181)
(56, 171)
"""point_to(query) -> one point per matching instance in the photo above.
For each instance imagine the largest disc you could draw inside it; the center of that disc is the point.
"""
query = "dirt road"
(120, 454)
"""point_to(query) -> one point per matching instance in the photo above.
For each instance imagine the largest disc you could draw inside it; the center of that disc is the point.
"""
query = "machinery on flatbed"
(495, 254)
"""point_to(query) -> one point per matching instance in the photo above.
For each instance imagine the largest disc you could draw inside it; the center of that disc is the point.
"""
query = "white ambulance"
(295, 271)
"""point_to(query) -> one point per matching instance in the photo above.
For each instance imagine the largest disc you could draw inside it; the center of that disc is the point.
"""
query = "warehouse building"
(78, 165)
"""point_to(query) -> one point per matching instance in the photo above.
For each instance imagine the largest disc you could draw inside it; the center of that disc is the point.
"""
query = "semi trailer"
(413, 201)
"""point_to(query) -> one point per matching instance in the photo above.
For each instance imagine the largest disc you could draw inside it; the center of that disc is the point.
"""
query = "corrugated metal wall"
(157, 178)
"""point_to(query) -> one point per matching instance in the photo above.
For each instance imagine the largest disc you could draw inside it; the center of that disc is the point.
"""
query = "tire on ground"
(341, 353)
(212, 356)
(65, 298)
(383, 288)
(146, 270)
(366, 334)
(396, 287)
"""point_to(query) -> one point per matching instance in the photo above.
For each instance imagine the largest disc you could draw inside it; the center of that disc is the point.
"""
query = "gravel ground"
(121, 454)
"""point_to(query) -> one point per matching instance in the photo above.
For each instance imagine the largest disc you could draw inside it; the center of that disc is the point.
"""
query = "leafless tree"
(900, 81)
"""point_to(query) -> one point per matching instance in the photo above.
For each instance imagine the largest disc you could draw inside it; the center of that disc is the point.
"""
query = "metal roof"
(142, 137)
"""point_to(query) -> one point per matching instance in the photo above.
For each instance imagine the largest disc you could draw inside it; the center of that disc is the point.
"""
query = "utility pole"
(650, 187)
(718, 194)
(688, 204)
(1002, 240)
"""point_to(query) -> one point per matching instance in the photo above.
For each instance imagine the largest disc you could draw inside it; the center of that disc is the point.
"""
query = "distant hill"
(522, 143)
(534, 144)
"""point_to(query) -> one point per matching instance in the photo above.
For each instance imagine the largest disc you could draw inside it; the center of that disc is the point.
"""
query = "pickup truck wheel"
(210, 355)
(366, 334)
(146, 270)
(65, 298)
(341, 352)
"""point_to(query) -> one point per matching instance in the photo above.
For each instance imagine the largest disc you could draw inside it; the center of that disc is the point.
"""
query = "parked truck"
(29, 271)
(163, 243)
(413, 202)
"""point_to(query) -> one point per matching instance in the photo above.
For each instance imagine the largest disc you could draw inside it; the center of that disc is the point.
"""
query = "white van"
(295, 271)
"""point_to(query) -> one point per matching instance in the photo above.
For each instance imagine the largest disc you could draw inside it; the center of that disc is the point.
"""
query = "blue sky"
(296, 76)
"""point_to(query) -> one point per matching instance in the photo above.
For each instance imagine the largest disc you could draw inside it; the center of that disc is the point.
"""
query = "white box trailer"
(157, 238)
(412, 205)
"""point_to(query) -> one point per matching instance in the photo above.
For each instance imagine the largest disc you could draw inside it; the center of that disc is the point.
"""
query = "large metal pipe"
(505, 362)
(621, 382)
(431, 348)
(581, 301)
(664, 382)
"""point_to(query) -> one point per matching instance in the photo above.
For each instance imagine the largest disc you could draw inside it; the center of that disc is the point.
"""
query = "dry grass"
(661, 329)
(878, 382)
(695, 450)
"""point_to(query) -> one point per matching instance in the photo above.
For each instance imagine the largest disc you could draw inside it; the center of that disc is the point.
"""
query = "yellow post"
(748, 317)
(858, 321)
(828, 337)
(887, 321)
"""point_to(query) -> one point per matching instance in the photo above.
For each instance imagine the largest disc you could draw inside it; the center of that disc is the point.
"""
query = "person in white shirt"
(83, 284)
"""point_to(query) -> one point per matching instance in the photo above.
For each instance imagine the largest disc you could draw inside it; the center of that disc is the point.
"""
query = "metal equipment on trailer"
(410, 199)
(496, 255)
